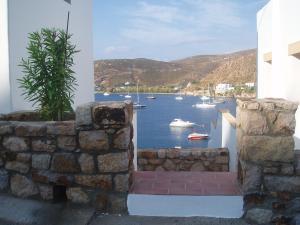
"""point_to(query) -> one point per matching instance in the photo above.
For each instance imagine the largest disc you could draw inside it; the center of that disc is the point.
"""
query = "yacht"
(205, 103)
(106, 94)
(181, 123)
(127, 96)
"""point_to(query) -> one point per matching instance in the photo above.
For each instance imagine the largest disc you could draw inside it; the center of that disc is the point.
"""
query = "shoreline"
(158, 93)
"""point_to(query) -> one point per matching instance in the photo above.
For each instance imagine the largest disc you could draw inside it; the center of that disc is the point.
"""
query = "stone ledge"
(89, 159)
(184, 159)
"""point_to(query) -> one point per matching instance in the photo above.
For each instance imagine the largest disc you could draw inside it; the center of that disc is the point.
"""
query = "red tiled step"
(186, 183)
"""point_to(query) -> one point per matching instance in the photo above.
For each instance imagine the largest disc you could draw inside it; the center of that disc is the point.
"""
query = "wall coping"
(229, 117)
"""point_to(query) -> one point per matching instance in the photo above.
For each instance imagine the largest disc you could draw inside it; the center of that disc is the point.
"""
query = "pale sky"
(173, 29)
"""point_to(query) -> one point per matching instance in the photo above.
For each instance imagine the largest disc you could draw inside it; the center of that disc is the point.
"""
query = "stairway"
(185, 194)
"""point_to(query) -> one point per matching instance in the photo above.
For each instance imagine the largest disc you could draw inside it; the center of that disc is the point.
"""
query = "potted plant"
(49, 81)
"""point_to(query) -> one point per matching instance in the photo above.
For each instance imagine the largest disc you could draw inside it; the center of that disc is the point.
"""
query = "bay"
(153, 130)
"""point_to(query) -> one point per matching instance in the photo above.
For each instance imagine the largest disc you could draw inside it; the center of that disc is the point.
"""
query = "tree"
(49, 80)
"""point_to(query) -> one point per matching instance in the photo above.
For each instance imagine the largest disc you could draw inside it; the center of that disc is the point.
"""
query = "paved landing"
(186, 183)
(16, 211)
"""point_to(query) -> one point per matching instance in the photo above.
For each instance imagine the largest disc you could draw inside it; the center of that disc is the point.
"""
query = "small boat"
(138, 106)
(106, 94)
(151, 97)
(181, 123)
(204, 105)
(197, 136)
(127, 96)
(179, 98)
(205, 98)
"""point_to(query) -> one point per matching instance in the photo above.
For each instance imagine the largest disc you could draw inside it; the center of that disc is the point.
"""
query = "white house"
(250, 85)
(222, 88)
(278, 53)
(17, 19)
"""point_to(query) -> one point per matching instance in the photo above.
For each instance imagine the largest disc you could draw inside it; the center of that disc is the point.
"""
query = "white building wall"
(31, 15)
(5, 99)
(281, 78)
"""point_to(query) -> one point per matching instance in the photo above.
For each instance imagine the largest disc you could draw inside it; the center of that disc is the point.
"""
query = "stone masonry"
(268, 162)
(90, 159)
(184, 160)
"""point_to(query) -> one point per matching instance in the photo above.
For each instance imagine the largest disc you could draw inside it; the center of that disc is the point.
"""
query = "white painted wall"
(5, 98)
(278, 26)
(229, 141)
(32, 15)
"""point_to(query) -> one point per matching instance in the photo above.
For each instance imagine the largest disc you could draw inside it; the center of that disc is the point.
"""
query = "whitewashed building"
(222, 88)
(278, 52)
(250, 85)
(17, 19)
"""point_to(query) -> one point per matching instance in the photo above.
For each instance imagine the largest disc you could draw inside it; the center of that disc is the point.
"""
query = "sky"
(173, 29)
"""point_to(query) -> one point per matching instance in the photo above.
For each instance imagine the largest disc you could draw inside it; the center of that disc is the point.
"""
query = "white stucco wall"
(229, 141)
(5, 100)
(281, 78)
(32, 15)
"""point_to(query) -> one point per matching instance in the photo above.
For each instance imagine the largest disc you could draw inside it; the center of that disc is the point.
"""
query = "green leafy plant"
(49, 80)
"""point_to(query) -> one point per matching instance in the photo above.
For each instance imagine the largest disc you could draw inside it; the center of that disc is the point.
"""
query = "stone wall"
(86, 161)
(268, 165)
(184, 160)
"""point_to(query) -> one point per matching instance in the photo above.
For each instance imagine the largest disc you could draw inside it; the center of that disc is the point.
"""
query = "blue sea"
(153, 121)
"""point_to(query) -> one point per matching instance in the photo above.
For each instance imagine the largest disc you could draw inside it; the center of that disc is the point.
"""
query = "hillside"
(235, 68)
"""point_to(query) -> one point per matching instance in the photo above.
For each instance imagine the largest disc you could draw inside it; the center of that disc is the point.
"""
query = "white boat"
(197, 136)
(204, 105)
(181, 123)
(151, 97)
(106, 94)
(179, 98)
(137, 104)
(205, 98)
(127, 96)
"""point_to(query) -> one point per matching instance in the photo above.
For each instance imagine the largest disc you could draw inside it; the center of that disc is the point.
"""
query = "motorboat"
(127, 96)
(178, 98)
(204, 105)
(181, 123)
(197, 136)
(106, 94)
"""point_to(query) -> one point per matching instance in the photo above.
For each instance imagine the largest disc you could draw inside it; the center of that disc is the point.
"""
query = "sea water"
(153, 130)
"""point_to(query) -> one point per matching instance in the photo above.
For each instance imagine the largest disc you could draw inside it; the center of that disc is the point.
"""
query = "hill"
(235, 68)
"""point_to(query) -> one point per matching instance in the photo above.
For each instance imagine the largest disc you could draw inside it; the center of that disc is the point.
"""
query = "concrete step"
(185, 206)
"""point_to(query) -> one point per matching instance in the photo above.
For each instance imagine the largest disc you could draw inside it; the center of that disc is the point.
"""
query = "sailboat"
(137, 104)
(179, 98)
(151, 96)
(127, 96)
(205, 103)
